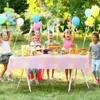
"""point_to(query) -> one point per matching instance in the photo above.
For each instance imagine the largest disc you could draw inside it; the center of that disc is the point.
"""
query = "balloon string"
(16, 40)
(84, 38)
(94, 24)
(57, 32)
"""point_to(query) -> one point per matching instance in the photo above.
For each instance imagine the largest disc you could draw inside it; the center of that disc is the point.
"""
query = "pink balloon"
(20, 21)
(37, 26)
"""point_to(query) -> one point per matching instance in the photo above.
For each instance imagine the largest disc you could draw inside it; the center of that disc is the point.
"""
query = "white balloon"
(20, 21)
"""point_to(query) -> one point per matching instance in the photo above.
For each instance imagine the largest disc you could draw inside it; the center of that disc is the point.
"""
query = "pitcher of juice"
(76, 50)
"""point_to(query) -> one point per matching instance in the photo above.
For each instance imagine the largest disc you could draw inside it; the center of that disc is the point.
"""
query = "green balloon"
(2, 19)
(8, 23)
(6, 9)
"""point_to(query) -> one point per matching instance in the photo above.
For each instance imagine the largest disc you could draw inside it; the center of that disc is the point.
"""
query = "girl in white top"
(5, 37)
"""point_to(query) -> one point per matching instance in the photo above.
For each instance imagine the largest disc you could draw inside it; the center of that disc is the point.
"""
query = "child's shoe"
(32, 80)
(53, 78)
(36, 81)
(48, 78)
(97, 82)
(1, 80)
(10, 80)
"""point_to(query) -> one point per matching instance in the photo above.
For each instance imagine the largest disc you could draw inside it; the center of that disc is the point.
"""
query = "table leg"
(20, 78)
(75, 76)
(70, 82)
(28, 81)
(85, 79)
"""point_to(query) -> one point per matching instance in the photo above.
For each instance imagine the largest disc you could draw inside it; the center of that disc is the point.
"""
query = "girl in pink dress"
(67, 41)
(39, 36)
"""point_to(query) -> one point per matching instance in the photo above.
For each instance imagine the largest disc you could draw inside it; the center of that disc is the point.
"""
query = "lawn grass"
(50, 90)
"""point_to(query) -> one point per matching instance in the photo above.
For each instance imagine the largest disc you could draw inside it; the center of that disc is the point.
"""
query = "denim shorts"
(4, 58)
(33, 71)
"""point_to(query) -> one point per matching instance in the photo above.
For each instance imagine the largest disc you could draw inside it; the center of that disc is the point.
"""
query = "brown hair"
(66, 30)
(96, 34)
(6, 31)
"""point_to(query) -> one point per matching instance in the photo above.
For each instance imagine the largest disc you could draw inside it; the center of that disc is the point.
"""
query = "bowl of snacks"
(83, 51)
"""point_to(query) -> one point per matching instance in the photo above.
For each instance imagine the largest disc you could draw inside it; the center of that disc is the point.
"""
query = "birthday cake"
(54, 46)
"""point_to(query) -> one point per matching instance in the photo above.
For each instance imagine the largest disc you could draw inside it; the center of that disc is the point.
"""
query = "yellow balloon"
(13, 14)
(90, 20)
(95, 10)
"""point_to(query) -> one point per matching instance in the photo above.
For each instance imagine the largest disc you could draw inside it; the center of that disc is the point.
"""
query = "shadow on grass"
(49, 86)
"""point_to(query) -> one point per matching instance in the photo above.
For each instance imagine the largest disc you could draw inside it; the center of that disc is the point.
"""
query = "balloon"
(11, 20)
(6, 9)
(2, 19)
(10, 9)
(13, 14)
(36, 18)
(8, 23)
(8, 13)
(13, 23)
(13, 10)
(90, 20)
(37, 26)
(18, 16)
(20, 21)
(88, 12)
(9, 16)
(75, 21)
(95, 10)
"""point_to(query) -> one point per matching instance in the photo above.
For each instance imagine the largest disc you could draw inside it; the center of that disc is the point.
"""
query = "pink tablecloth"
(68, 61)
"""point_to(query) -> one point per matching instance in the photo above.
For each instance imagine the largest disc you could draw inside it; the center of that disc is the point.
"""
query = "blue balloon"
(2, 19)
(10, 20)
(8, 13)
(9, 16)
(88, 12)
(13, 23)
(75, 21)
(36, 18)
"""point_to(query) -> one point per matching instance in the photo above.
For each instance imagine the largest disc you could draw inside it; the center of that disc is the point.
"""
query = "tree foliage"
(54, 9)
(18, 5)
